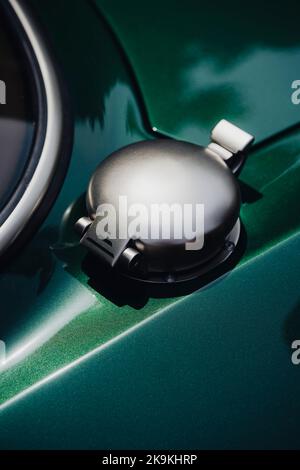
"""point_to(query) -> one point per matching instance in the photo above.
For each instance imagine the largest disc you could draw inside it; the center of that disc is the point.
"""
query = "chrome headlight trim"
(45, 168)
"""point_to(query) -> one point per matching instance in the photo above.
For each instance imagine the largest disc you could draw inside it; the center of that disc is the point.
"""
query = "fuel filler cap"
(164, 210)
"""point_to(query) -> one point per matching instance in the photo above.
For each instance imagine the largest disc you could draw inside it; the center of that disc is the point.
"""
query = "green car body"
(207, 370)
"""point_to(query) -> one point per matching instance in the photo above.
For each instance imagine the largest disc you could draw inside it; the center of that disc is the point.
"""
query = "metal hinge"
(111, 251)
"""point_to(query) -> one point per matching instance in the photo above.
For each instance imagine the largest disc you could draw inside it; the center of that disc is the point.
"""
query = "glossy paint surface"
(199, 61)
(213, 371)
(85, 365)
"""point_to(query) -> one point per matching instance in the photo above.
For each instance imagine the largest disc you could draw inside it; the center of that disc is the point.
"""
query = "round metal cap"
(169, 173)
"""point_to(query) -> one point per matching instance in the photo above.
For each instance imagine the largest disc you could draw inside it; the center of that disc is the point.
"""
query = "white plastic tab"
(221, 151)
(231, 137)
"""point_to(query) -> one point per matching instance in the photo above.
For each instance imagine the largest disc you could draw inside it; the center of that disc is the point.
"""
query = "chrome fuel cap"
(165, 210)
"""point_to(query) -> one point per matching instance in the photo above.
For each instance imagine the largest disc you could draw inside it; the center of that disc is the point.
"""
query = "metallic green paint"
(197, 62)
(213, 371)
(209, 368)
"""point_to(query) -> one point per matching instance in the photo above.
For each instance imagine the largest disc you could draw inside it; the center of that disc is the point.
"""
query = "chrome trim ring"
(227, 251)
(44, 171)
